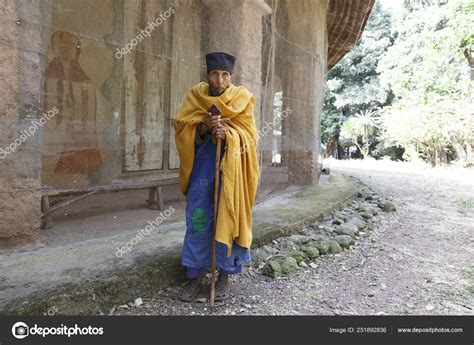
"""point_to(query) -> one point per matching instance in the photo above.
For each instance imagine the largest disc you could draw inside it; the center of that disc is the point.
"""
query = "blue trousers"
(197, 247)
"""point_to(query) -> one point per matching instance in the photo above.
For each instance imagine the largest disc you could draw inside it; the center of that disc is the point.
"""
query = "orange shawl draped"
(239, 165)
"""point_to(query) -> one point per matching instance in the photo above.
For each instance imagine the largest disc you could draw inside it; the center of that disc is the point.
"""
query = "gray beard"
(215, 92)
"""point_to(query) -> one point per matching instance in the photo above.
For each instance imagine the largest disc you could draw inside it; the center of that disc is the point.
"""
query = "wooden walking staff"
(214, 110)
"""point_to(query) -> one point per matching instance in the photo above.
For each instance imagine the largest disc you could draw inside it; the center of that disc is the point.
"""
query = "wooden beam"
(110, 188)
(66, 203)
(47, 221)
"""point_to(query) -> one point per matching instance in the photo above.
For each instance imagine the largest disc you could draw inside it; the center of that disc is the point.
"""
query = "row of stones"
(335, 233)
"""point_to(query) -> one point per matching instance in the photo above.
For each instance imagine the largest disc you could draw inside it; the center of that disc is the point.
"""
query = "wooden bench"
(154, 201)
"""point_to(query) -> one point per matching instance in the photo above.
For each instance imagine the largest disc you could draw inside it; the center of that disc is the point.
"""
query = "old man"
(196, 134)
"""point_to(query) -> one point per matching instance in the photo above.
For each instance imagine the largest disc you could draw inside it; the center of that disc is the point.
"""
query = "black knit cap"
(221, 61)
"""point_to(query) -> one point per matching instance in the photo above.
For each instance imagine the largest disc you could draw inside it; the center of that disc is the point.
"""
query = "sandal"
(222, 290)
(191, 290)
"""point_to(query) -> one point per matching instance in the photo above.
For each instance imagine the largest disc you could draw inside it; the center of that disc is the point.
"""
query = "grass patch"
(469, 270)
(465, 206)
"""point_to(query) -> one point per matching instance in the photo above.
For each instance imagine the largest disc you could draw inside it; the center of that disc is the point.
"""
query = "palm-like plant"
(363, 126)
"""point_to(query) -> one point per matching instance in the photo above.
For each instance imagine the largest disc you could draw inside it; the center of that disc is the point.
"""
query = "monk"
(196, 134)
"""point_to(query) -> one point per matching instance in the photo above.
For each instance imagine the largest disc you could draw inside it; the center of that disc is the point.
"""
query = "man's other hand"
(212, 121)
(219, 132)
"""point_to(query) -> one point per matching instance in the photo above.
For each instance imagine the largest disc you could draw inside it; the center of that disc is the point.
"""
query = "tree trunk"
(470, 61)
(461, 153)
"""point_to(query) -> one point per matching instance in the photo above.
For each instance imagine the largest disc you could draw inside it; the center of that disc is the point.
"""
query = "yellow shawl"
(239, 165)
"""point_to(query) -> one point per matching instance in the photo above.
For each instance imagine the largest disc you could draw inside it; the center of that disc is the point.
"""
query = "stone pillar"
(236, 27)
(303, 62)
(22, 50)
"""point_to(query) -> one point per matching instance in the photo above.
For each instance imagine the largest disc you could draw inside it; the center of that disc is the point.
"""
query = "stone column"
(236, 27)
(22, 50)
(302, 52)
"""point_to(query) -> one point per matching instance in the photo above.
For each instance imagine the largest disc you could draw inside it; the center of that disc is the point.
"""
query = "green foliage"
(360, 128)
(353, 84)
(428, 72)
(418, 71)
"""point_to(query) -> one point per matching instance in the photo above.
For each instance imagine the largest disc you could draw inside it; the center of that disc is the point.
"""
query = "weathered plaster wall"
(61, 54)
(20, 59)
(79, 143)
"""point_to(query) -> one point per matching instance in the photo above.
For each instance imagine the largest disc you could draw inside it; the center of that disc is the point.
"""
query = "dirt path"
(419, 260)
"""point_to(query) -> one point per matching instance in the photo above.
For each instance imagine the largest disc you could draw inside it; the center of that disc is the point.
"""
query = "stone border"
(338, 231)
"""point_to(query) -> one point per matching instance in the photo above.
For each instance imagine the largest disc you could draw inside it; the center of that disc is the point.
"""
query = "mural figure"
(69, 88)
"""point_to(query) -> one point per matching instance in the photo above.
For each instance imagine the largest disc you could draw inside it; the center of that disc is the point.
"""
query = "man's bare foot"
(191, 289)
(222, 288)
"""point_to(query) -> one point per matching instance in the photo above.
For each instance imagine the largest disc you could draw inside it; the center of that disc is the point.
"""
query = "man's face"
(218, 80)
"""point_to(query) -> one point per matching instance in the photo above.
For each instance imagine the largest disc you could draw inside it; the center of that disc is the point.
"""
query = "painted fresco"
(71, 91)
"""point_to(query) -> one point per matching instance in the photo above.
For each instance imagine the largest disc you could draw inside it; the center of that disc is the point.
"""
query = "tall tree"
(428, 72)
(353, 84)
